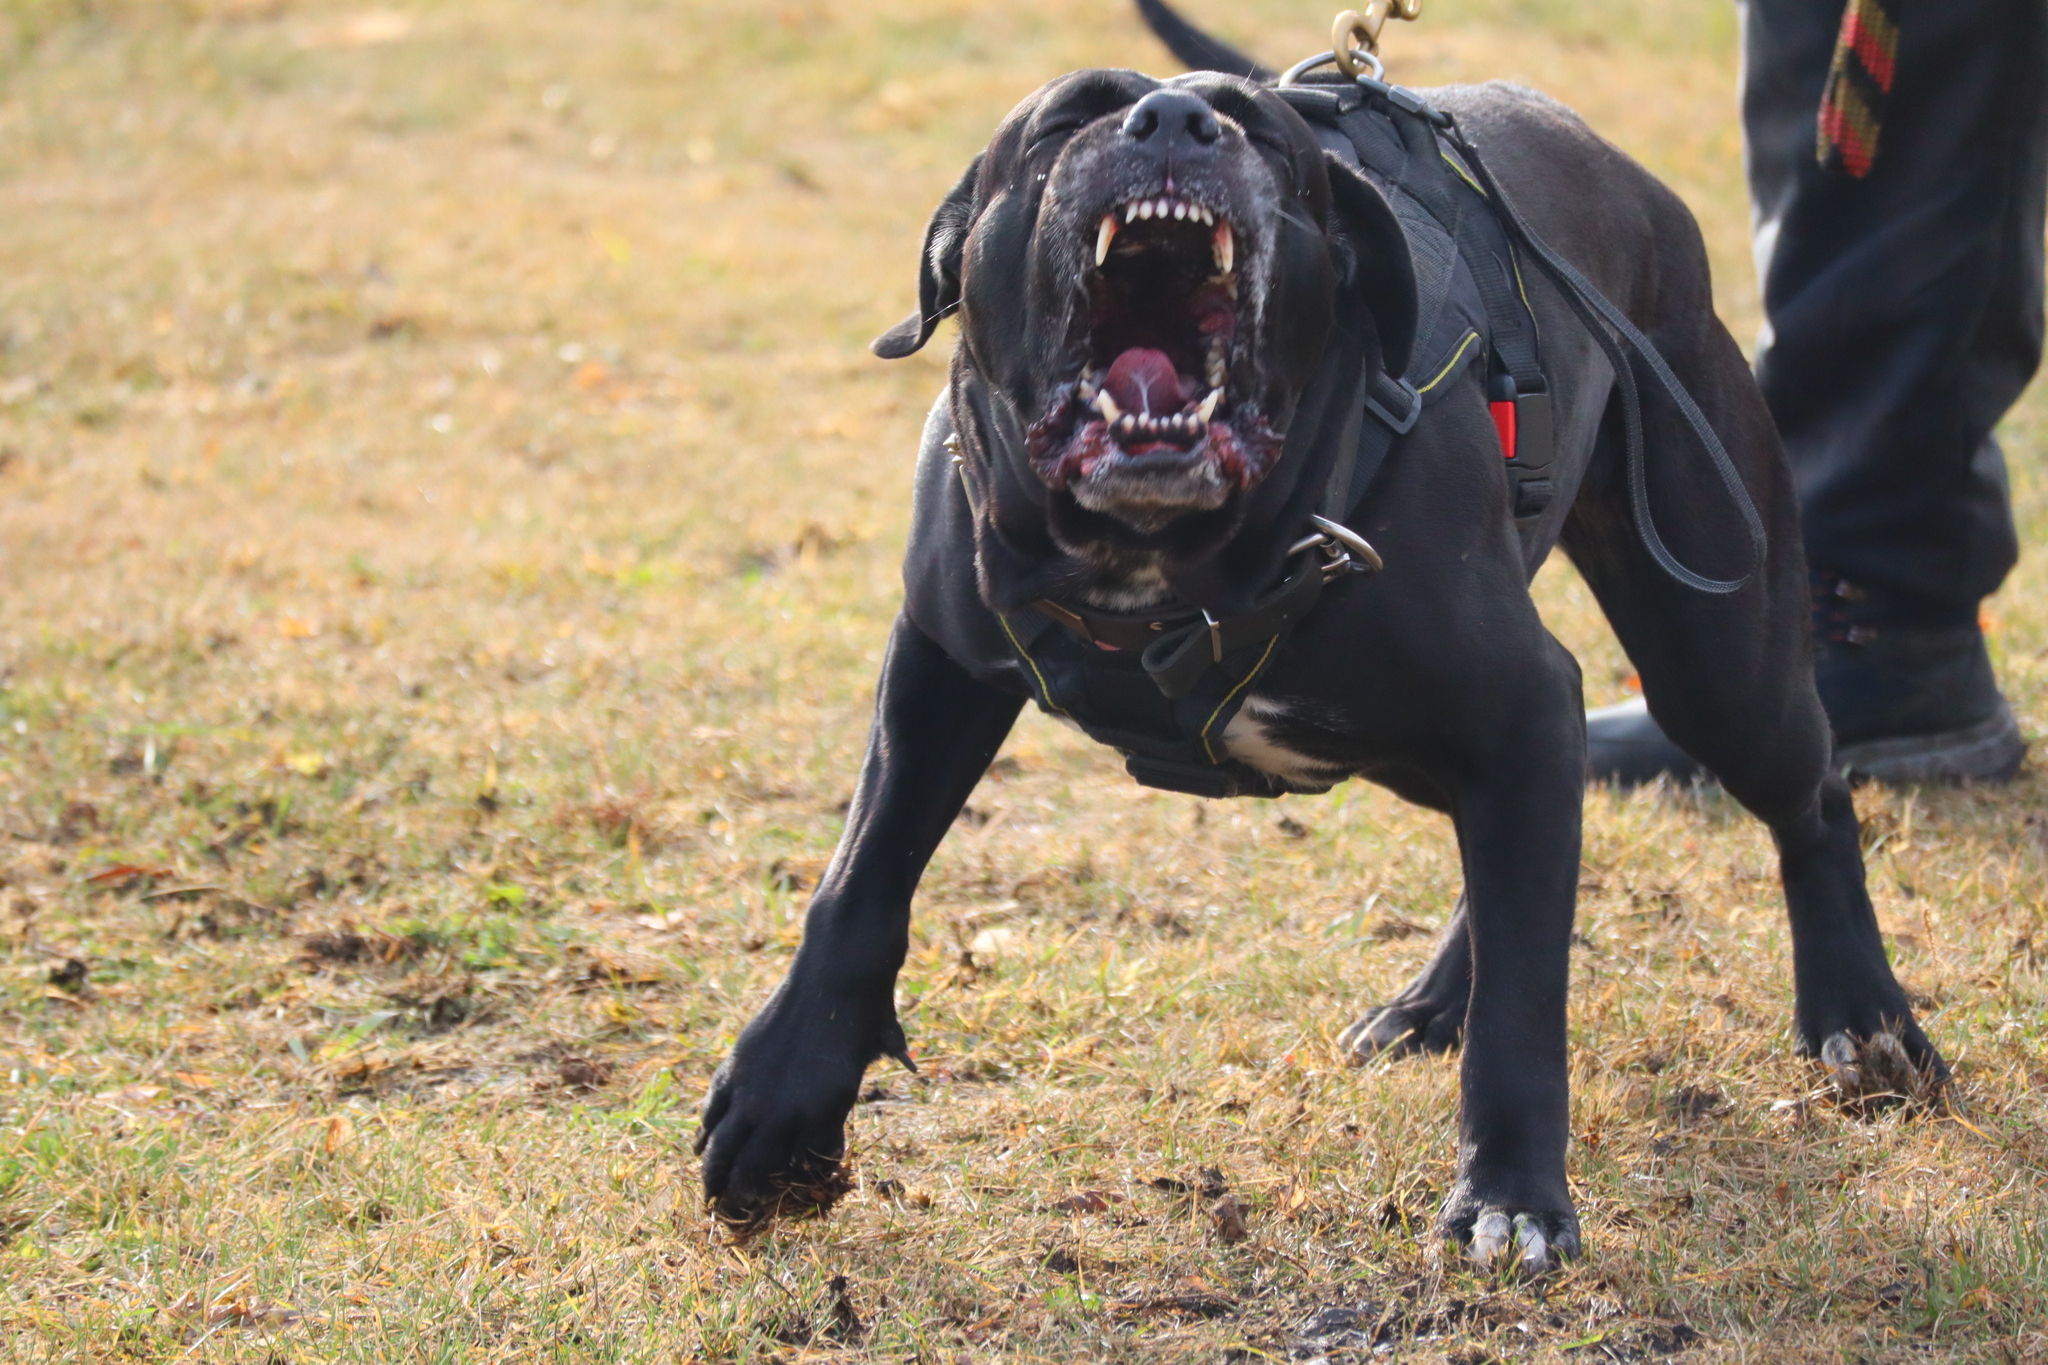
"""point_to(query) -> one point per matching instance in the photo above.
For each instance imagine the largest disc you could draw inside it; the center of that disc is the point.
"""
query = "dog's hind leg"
(1730, 680)
(1428, 1015)
(774, 1121)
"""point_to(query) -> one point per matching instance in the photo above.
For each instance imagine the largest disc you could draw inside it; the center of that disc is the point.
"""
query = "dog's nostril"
(1172, 115)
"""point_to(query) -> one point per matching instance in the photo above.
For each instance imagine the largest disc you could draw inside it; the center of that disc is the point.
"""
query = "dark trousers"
(1904, 305)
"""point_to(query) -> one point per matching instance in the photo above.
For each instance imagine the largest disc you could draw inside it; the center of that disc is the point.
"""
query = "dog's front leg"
(774, 1122)
(1517, 812)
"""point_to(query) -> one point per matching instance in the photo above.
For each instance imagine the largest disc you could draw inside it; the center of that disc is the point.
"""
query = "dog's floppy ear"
(1379, 266)
(938, 278)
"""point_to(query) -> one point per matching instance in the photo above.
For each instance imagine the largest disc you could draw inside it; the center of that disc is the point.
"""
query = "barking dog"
(1167, 292)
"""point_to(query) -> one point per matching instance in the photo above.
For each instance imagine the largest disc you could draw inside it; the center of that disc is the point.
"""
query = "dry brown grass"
(449, 524)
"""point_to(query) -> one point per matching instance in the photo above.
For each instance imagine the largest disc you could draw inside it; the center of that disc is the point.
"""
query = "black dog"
(1165, 290)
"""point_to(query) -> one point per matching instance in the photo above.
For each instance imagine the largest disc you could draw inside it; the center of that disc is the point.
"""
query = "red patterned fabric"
(1859, 83)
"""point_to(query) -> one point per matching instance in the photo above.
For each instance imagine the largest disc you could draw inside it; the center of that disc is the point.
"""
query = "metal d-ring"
(1293, 74)
(1368, 558)
(1346, 550)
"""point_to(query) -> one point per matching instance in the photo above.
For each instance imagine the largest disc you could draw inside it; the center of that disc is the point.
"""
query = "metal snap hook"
(1355, 36)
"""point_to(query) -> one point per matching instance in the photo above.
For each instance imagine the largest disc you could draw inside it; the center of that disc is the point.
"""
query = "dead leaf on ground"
(1086, 1201)
(1228, 1216)
(584, 1073)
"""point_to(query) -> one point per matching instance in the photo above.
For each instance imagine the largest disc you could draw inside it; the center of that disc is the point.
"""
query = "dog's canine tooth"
(1106, 405)
(1207, 409)
(1224, 246)
(1105, 233)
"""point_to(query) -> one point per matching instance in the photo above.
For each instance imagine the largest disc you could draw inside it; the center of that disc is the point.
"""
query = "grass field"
(449, 524)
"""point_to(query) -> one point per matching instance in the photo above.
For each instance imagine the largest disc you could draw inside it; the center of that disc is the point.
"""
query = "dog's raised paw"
(1868, 1074)
(1400, 1029)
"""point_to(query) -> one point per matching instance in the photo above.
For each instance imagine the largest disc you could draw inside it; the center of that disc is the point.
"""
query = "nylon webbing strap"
(1337, 487)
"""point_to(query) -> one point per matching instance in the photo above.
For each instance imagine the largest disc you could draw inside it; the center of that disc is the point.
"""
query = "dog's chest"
(1254, 737)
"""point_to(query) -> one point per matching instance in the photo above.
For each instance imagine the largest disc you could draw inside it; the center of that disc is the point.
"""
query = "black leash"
(1610, 327)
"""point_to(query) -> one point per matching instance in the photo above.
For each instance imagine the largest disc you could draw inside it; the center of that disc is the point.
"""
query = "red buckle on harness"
(1504, 423)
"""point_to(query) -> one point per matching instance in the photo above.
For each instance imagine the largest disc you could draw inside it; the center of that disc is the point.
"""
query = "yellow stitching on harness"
(1515, 264)
(1044, 692)
(1452, 363)
(1461, 173)
(1209, 748)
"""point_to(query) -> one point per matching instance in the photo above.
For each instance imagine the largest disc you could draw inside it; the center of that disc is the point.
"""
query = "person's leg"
(1899, 171)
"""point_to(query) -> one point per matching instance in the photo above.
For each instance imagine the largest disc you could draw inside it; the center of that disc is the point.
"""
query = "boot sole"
(1990, 751)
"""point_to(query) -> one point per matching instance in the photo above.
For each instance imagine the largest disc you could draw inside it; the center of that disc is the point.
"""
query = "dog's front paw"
(773, 1130)
(1883, 1069)
(1403, 1026)
(1502, 1236)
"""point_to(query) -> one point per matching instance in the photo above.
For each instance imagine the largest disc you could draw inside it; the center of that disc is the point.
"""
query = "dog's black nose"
(1168, 119)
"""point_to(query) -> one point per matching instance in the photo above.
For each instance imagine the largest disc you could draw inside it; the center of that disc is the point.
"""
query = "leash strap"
(1610, 327)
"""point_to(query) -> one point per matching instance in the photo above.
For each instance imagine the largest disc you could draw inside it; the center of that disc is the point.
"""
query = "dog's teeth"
(1180, 211)
(1208, 217)
(1207, 409)
(1105, 233)
(1145, 208)
(1215, 370)
(1162, 206)
(1130, 213)
(1224, 245)
(1106, 405)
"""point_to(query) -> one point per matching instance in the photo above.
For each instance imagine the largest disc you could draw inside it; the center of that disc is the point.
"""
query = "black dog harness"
(1162, 686)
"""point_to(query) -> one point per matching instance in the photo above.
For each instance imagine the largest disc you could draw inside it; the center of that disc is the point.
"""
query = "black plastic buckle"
(1406, 100)
(1404, 422)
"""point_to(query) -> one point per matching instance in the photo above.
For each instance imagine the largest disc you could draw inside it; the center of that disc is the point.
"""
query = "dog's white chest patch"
(1250, 741)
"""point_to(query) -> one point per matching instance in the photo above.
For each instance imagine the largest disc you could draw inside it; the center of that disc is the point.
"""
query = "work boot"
(1906, 703)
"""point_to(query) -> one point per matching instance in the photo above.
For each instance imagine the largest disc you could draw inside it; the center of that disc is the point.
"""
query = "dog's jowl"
(1261, 419)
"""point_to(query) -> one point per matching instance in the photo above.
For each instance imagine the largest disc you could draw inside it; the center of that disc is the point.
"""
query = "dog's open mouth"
(1148, 429)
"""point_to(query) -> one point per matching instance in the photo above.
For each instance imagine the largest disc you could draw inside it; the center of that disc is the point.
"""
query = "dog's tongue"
(1143, 381)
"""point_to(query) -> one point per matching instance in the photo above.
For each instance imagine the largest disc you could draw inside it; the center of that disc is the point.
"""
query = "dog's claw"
(1529, 1244)
(1489, 1237)
(1497, 1241)
(1877, 1071)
